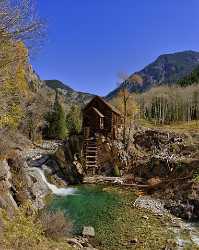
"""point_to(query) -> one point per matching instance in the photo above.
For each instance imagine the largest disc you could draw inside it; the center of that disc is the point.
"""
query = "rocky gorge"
(159, 164)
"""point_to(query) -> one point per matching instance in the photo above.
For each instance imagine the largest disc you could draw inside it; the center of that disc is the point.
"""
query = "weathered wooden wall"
(90, 119)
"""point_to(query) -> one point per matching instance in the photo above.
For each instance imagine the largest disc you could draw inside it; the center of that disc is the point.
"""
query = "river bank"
(121, 222)
(186, 233)
(109, 206)
(118, 223)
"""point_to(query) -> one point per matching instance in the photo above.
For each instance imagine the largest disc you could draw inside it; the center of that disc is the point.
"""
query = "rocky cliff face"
(22, 172)
(33, 79)
(6, 199)
(68, 96)
(166, 69)
(18, 184)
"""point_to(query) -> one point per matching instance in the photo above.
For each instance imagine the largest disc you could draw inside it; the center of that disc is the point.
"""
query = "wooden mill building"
(100, 118)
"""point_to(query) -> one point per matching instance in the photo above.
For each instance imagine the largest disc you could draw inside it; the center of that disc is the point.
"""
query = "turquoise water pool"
(116, 222)
(90, 205)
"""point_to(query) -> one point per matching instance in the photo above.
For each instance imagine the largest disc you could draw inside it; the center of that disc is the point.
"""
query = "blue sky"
(91, 41)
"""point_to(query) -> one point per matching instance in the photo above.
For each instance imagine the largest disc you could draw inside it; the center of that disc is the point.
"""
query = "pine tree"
(74, 120)
(56, 122)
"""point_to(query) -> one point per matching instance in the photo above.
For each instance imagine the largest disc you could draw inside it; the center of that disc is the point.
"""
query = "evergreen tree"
(56, 122)
(74, 120)
(192, 78)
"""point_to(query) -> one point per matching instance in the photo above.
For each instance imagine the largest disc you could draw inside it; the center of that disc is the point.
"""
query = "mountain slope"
(69, 95)
(56, 84)
(192, 78)
(166, 69)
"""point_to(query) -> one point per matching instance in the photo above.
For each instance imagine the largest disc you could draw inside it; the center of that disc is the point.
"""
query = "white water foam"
(194, 232)
(55, 190)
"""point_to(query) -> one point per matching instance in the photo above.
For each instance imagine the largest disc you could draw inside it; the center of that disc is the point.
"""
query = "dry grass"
(25, 231)
(55, 225)
(180, 127)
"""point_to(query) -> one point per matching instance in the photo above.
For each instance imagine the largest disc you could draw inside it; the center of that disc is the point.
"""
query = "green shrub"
(196, 175)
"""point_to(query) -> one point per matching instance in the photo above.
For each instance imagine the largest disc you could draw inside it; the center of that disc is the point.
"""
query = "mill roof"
(98, 112)
(110, 106)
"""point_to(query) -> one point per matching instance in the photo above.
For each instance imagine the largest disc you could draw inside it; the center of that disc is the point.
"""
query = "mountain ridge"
(69, 94)
(166, 69)
(57, 84)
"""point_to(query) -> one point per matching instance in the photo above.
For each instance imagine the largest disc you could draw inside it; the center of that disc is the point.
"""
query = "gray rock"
(4, 170)
(89, 248)
(154, 205)
(88, 231)
(79, 167)
(7, 202)
(145, 217)
(39, 188)
(37, 162)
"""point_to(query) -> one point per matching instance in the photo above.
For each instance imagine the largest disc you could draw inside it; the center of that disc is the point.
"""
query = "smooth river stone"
(88, 231)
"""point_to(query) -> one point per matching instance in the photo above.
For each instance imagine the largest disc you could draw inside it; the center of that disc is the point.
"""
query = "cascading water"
(55, 190)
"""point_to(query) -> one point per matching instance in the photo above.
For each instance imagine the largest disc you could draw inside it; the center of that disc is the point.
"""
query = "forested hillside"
(162, 91)
(69, 95)
(192, 78)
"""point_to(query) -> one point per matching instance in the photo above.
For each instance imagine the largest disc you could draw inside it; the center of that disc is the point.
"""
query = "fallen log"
(112, 180)
(100, 179)
(123, 181)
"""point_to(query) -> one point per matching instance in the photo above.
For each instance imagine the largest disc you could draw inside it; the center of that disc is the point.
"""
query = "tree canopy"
(192, 78)
(20, 30)
(74, 120)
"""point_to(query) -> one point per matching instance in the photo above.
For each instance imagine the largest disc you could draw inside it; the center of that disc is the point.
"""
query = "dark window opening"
(101, 122)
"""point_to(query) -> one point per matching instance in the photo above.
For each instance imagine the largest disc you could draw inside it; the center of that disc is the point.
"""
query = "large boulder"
(5, 174)
(88, 231)
(25, 182)
(6, 200)
(38, 189)
(183, 200)
(68, 160)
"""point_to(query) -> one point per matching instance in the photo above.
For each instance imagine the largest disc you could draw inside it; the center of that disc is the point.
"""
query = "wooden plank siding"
(99, 117)
(99, 109)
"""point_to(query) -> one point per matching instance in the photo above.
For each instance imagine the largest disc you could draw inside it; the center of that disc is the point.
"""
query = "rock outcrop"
(18, 184)
(169, 163)
(6, 199)
(68, 160)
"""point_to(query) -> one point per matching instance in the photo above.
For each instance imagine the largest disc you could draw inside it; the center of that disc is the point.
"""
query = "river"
(116, 221)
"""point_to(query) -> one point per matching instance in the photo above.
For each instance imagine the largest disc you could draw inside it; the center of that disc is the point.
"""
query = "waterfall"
(55, 190)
